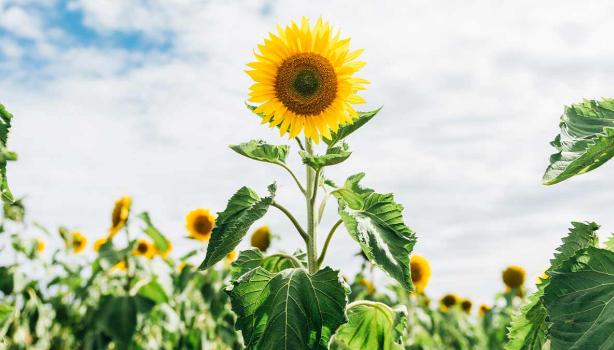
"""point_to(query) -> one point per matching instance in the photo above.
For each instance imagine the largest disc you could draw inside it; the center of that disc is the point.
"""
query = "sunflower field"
(135, 292)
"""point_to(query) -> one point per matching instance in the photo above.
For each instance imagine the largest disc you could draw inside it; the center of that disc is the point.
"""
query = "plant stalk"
(310, 196)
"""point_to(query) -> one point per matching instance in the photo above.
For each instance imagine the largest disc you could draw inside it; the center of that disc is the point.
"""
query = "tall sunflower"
(304, 80)
(261, 238)
(40, 245)
(200, 223)
(420, 272)
(448, 301)
(514, 276)
(119, 217)
(99, 243)
(78, 241)
(144, 248)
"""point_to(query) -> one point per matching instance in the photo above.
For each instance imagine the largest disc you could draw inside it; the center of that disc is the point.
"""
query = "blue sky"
(142, 97)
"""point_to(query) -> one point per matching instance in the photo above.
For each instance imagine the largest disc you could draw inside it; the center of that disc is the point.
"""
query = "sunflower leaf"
(5, 154)
(609, 244)
(371, 325)
(242, 210)
(253, 258)
(529, 327)
(5, 311)
(154, 292)
(345, 130)
(262, 151)
(586, 140)
(290, 309)
(375, 221)
(334, 155)
(580, 301)
(161, 242)
(117, 317)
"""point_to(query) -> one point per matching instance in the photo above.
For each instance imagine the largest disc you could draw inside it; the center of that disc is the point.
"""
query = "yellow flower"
(169, 249)
(78, 241)
(121, 210)
(420, 272)
(513, 276)
(99, 243)
(200, 223)
(40, 245)
(261, 238)
(144, 248)
(232, 256)
(121, 266)
(448, 301)
(466, 305)
(484, 309)
(304, 80)
(368, 284)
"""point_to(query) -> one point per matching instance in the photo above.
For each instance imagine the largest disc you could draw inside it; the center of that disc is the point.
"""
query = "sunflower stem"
(327, 242)
(310, 196)
(298, 183)
(298, 226)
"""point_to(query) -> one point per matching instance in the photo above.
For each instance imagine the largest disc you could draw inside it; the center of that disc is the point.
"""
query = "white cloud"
(22, 23)
(472, 94)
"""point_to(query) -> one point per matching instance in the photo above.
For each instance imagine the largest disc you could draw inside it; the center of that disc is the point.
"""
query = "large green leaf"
(290, 309)
(154, 292)
(253, 258)
(371, 325)
(118, 318)
(242, 210)
(528, 330)
(5, 311)
(345, 130)
(334, 155)
(5, 154)
(159, 239)
(375, 221)
(580, 301)
(262, 151)
(586, 140)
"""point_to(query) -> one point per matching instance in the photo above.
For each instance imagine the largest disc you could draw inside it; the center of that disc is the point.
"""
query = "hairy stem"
(298, 183)
(327, 242)
(310, 195)
(296, 262)
(298, 226)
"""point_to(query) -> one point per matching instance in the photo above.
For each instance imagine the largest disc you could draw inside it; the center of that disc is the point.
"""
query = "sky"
(142, 98)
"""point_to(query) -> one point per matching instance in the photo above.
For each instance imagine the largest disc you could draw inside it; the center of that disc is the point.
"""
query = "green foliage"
(345, 130)
(334, 155)
(580, 301)
(375, 221)
(586, 140)
(5, 154)
(371, 325)
(290, 309)
(154, 292)
(242, 210)
(117, 318)
(161, 242)
(254, 258)
(14, 211)
(262, 151)
(5, 312)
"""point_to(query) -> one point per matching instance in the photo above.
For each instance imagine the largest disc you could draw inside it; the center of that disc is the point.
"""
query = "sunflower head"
(448, 301)
(304, 80)
(200, 223)
(144, 248)
(99, 243)
(120, 266)
(40, 245)
(232, 256)
(367, 284)
(261, 238)
(120, 213)
(513, 276)
(420, 272)
(483, 309)
(78, 241)
(466, 305)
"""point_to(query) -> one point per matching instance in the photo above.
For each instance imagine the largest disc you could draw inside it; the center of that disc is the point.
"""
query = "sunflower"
(99, 243)
(120, 266)
(420, 272)
(144, 248)
(261, 238)
(513, 276)
(200, 223)
(78, 241)
(232, 256)
(304, 80)
(466, 305)
(448, 301)
(484, 309)
(40, 245)
(121, 210)
(367, 284)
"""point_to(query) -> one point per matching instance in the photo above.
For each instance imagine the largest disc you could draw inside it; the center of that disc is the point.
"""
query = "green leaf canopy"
(262, 151)
(580, 301)
(375, 221)
(334, 155)
(371, 325)
(231, 225)
(586, 140)
(290, 309)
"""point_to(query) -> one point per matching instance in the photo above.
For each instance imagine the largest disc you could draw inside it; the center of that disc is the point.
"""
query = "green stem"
(310, 195)
(298, 183)
(298, 226)
(327, 242)
(296, 262)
